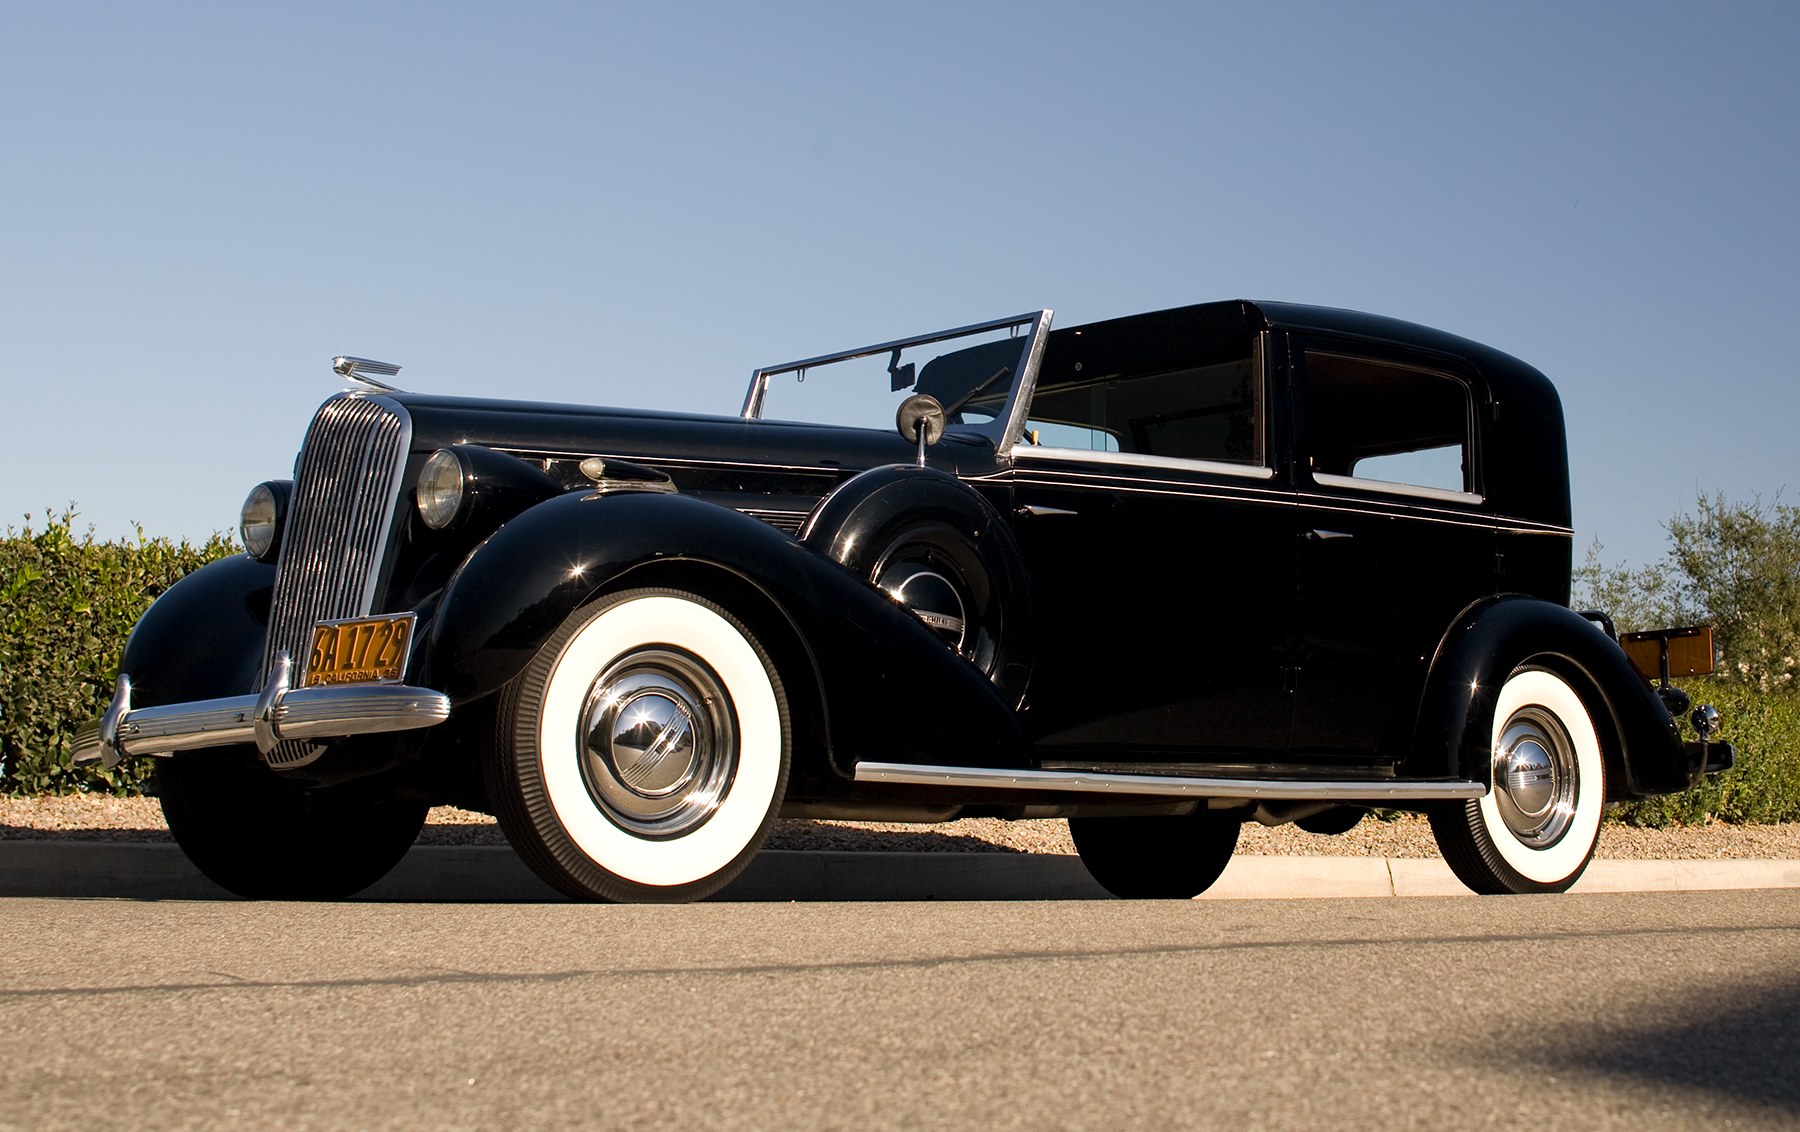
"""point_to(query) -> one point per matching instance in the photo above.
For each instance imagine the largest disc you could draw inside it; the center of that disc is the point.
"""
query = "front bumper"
(278, 712)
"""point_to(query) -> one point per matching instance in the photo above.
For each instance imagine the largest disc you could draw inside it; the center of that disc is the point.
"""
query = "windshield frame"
(1007, 425)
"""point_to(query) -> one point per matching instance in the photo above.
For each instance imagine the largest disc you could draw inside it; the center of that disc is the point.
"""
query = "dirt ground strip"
(96, 818)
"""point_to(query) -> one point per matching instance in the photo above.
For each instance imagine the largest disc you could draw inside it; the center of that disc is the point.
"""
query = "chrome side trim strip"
(299, 713)
(1416, 510)
(1096, 782)
(1229, 492)
(655, 460)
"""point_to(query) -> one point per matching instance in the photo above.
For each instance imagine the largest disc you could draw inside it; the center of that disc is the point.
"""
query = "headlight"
(440, 489)
(260, 522)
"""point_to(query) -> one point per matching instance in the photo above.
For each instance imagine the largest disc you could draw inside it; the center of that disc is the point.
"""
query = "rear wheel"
(1158, 858)
(1535, 831)
(643, 752)
(258, 836)
(1333, 822)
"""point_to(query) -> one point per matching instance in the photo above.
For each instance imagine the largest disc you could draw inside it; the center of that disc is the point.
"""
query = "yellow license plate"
(362, 651)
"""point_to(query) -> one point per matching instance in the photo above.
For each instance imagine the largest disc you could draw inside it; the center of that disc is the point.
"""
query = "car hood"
(552, 431)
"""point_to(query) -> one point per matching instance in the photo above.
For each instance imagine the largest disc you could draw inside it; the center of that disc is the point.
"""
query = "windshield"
(974, 371)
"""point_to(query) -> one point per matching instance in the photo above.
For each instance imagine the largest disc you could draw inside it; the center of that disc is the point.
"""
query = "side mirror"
(921, 421)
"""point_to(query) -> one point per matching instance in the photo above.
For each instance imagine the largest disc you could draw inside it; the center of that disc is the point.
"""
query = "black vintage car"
(1158, 575)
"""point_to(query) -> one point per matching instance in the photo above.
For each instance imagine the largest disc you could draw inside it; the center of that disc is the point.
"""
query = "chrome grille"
(338, 525)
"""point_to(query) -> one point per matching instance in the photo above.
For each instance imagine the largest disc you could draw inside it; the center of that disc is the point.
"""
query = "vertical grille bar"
(345, 493)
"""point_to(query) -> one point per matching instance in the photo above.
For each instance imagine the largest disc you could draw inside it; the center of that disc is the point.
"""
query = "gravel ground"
(91, 818)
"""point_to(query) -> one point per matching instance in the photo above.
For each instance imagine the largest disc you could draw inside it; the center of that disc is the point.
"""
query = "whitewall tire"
(644, 751)
(1536, 829)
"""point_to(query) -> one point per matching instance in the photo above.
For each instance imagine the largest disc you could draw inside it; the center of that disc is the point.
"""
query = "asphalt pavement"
(1636, 1012)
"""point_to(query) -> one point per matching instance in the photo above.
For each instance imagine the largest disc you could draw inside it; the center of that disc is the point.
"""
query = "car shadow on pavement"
(1739, 1043)
(494, 874)
(108, 833)
(807, 835)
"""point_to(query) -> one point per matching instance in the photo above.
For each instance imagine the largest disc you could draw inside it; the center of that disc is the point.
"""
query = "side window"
(1385, 424)
(1212, 411)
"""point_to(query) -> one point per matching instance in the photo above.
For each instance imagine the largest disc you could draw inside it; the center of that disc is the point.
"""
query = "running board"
(1168, 786)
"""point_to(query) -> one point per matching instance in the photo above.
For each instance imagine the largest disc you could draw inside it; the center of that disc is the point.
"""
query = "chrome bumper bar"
(278, 712)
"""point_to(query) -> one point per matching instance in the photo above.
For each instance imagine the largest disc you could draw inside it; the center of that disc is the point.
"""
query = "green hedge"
(68, 603)
(1765, 784)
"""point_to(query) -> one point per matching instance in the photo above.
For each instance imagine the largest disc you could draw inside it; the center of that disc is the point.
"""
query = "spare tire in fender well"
(919, 534)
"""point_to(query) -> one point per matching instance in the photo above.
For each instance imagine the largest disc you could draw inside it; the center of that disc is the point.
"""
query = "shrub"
(67, 604)
(1735, 566)
(1764, 786)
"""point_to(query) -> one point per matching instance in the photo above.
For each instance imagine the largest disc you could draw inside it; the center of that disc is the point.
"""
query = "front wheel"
(1535, 831)
(1156, 858)
(643, 752)
(263, 838)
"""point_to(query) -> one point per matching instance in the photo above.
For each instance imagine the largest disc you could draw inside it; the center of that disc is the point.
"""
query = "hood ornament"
(359, 369)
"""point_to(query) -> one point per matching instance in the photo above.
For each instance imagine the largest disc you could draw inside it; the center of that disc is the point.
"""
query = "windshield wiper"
(950, 411)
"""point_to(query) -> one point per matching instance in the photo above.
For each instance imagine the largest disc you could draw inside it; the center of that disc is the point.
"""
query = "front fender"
(888, 688)
(203, 638)
(1490, 639)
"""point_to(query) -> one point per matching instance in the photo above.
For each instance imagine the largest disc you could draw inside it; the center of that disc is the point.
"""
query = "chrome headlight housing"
(442, 485)
(263, 517)
(472, 489)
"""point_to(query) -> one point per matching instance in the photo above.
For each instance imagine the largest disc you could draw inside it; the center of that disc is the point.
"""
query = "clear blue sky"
(636, 204)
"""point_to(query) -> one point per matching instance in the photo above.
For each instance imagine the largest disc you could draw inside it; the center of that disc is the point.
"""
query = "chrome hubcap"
(930, 597)
(658, 745)
(1535, 777)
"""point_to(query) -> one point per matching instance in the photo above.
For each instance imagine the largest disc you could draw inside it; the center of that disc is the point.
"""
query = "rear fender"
(886, 687)
(1492, 638)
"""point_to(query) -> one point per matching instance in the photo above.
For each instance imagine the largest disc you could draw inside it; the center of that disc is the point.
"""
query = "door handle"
(1316, 535)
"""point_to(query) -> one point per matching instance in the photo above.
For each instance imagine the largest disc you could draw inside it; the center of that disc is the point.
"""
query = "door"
(1393, 534)
(1157, 529)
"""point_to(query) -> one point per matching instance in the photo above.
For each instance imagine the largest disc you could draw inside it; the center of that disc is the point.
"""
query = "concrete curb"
(493, 873)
